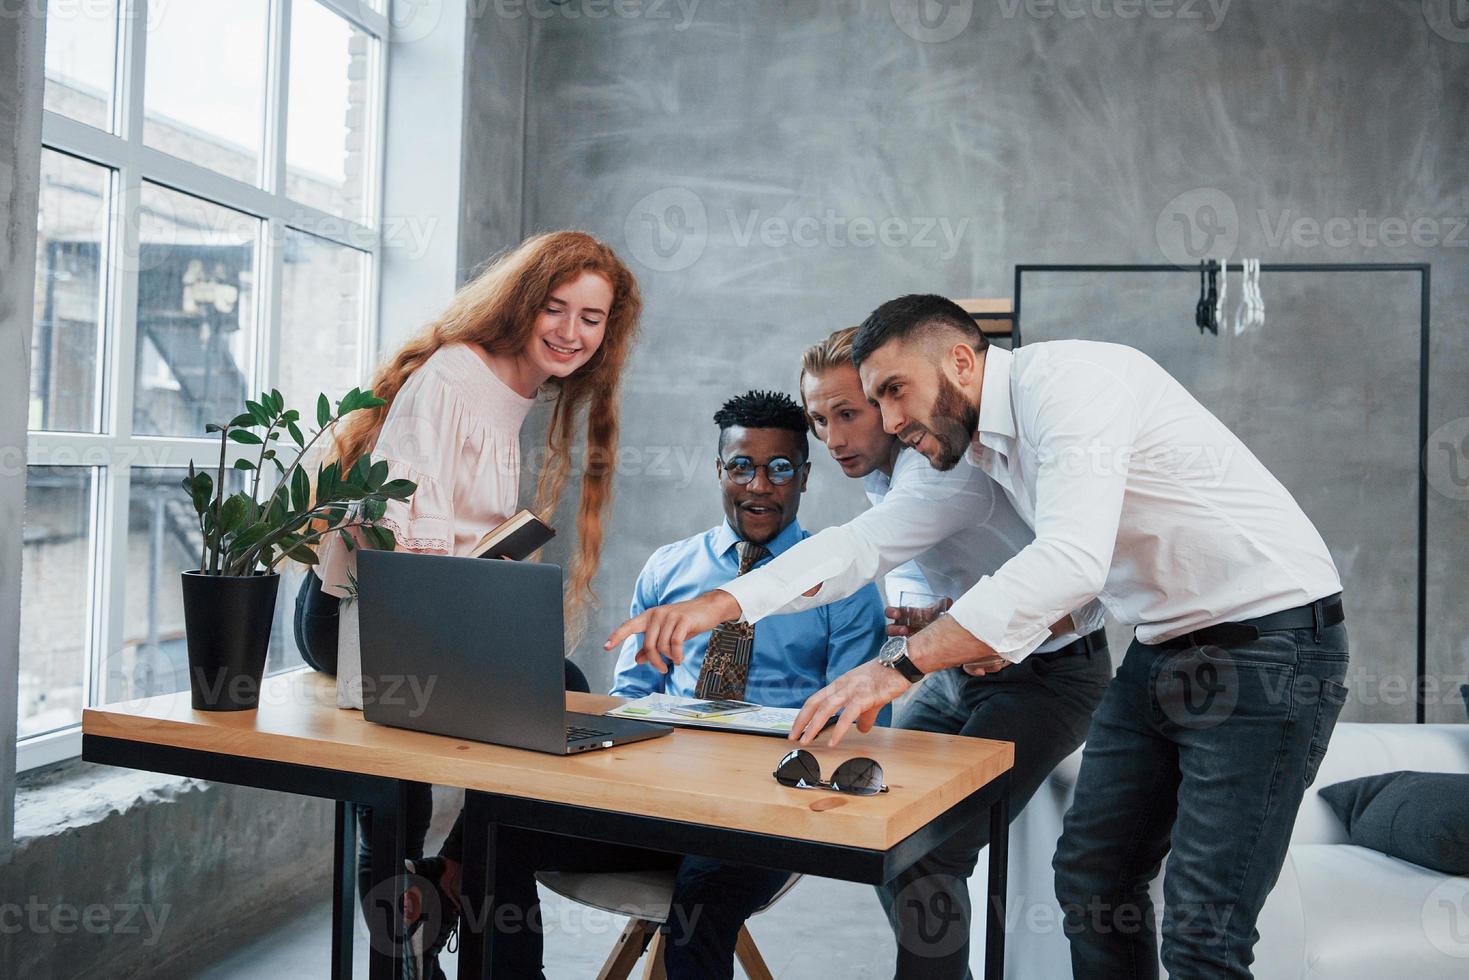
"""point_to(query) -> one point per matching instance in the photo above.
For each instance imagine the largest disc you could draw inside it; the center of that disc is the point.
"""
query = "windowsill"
(73, 794)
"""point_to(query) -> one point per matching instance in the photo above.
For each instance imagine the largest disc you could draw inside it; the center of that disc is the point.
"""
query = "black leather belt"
(1093, 642)
(1316, 615)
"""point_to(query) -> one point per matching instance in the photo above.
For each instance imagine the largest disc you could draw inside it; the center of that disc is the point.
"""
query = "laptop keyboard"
(575, 733)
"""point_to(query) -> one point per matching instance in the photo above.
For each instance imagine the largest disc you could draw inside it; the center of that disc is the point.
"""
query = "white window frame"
(116, 449)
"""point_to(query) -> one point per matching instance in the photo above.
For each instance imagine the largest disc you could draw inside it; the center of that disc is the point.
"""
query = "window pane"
(163, 540)
(65, 339)
(55, 584)
(81, 51)
(196, 313)
(284, 654)
(331, 102)
(321, 320)
(205, 89)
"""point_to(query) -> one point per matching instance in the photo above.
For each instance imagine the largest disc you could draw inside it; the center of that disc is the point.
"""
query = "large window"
(208, 228)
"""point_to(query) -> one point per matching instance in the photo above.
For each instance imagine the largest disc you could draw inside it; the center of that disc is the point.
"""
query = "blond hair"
(834, 351)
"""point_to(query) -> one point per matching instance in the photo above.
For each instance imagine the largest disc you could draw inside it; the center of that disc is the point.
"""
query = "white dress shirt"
(1137, 495)
(957, 527)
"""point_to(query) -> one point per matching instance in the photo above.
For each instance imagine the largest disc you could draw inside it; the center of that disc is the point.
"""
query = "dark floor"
(821, 928)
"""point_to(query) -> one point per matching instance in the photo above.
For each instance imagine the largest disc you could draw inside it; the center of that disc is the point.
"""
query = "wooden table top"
(719, 779)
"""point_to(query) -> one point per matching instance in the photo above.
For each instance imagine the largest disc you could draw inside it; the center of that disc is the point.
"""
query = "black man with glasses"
(762, 466)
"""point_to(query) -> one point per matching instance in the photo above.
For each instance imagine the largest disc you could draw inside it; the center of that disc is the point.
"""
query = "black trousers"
(316, 625)
(1044, 705)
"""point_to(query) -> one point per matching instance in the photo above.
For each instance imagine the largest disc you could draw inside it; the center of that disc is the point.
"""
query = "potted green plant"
(229, 600)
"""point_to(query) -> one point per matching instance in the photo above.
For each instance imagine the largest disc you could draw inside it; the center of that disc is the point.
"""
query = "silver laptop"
(473, 648)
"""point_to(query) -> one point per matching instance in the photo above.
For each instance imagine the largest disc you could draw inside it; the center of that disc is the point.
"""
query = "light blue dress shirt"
(794, 655)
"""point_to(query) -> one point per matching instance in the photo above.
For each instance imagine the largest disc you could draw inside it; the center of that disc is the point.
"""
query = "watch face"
(892, 650)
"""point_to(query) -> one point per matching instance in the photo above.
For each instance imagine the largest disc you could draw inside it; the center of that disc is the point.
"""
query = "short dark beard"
(955, 421)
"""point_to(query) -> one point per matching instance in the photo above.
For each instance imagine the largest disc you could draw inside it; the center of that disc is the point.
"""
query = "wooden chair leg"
(749, 956)
(626, 950)
(654, 970)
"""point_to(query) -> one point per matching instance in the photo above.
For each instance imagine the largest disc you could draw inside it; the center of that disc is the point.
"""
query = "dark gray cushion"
(1421, 817)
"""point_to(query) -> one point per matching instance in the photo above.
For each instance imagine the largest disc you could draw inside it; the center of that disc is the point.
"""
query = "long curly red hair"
(497, 309)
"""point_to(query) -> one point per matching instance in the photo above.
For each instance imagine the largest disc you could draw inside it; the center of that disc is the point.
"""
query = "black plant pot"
(228, 620)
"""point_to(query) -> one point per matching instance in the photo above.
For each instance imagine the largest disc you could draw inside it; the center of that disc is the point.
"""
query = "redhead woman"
(554, 317)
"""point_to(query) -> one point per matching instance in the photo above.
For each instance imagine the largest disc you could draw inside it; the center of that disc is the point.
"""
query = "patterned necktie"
(726, 666)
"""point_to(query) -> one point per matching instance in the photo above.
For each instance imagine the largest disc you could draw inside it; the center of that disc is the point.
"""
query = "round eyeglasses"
(742, 470)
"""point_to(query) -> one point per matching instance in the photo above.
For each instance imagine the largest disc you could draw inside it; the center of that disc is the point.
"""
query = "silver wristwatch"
(894, 656)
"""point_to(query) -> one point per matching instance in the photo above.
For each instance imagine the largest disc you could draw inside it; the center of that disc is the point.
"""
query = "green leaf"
(303, 554)
(291, 415)
(323, 411)
(326, 482)
(244, 464)
(273, 434)
(276, 514)
(249, 536)
(243, 419)
(213, 427)
(382, 539)
(377, 474)
(295, 431)
(277, 403)
(349, 542)
(258, 412)
(301, 490)
(374, 508)
(203, 492)
(280, 467)
(232, 513)
(398, 489)
(245, 436)
(360, 471)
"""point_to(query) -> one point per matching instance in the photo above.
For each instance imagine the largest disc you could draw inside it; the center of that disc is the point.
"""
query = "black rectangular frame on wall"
(1425, 274)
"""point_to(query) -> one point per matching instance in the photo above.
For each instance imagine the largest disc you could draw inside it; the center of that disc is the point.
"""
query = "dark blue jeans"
(1205, 752)
(1044, 705)
(711, 900)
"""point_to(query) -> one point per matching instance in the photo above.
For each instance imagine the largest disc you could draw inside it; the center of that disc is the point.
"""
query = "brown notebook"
(516, 539)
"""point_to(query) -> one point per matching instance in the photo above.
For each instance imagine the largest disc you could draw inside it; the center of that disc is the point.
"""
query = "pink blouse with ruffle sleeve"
(454, 429)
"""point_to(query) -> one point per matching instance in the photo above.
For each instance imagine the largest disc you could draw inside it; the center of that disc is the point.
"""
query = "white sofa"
(1338, 912)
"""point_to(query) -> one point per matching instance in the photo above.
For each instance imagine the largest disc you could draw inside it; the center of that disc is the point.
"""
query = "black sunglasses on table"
(858, 777)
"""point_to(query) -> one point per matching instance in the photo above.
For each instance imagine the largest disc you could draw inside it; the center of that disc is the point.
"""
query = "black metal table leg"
(384, 906)
(344, 890)
(474, 886)
(999, 873)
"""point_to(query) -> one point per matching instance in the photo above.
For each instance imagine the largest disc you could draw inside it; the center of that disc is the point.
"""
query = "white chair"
(644, 896)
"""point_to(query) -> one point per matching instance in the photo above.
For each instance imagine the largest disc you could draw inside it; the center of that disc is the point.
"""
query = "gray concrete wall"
(492, 181)
(774, 170)
(120, 874)
(22, 41)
